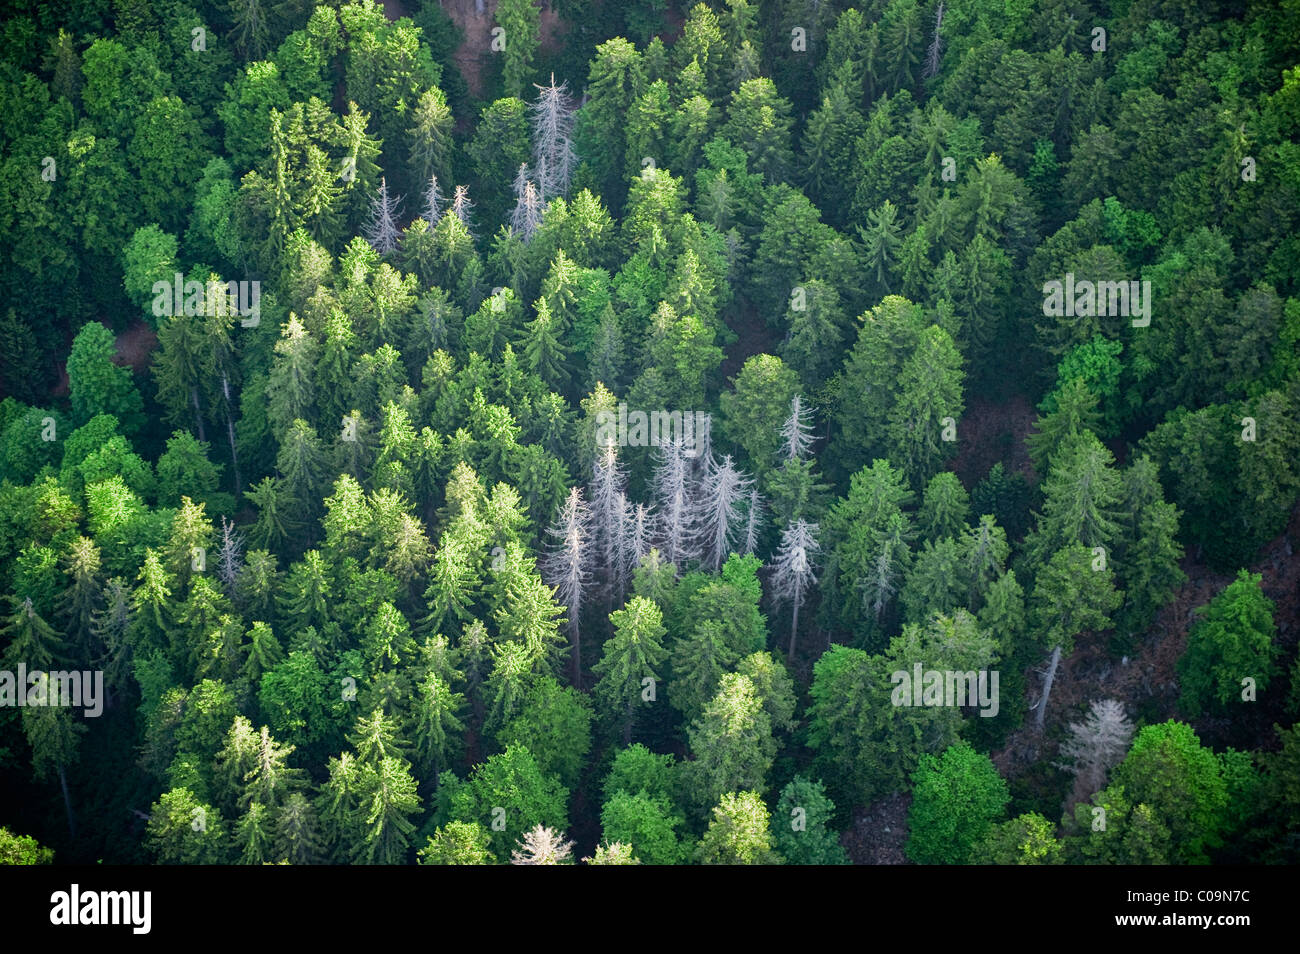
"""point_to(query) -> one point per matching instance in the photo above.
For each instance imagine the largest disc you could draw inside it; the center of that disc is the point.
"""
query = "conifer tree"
(567, 567)
(431, 142)
(543, 846)
(800, 829)
(719, 504)
(731, 742)
(792, 571)
(1096, 744)
(738, 833)
(381, 229)
(551, 116)
(632, 655)
(387, 801)
(1071, 595)
(297, 832)
(1232, 641)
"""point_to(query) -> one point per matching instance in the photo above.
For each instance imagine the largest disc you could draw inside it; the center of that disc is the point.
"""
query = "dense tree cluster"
(553, 456)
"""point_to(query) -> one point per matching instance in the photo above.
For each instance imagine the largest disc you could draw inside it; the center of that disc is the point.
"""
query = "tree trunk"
(67, 804)
(794, 630)
(198, 413)
(234, 458)
(230, 428)
(577, 660)
(1047, 687)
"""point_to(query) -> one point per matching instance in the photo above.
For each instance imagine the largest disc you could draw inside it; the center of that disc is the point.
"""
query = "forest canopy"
(556, 432)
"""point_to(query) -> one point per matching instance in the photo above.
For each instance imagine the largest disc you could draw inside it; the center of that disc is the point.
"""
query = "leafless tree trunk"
(67, 804)
(1047, 687)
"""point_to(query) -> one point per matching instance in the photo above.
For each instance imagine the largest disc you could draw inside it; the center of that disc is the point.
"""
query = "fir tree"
(551, 115)
(719, 511)
(381, 229)
(433, 202)
(567, 567)
(792, 571)
(543, 846)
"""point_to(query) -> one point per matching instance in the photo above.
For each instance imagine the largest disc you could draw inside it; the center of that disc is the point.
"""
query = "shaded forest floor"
(472, 57)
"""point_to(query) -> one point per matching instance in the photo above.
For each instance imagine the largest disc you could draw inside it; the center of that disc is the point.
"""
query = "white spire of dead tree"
(1097, 744)
(565, 568)
(719, 514)
(433, 201)
(608, 481)
(792, 570)
(935, 51)
(638, 538)
(462, 207)
(553, 155)
(673, 491)
(230, 555)
(797, 436)
(753, 522)
(381, 230)
(527, 213)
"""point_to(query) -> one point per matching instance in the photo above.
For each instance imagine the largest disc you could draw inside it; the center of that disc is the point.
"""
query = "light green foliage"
(458, 843)
(510, 789)
(22, 850)
(738, 833)
(1028, 839)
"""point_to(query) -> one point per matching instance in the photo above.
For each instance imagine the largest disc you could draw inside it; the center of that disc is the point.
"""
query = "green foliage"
(1181, 784)
(509, 794)
(646, 823)
(555, 726)
(1028, 839)
(22, 850)
(738, 833)
(1231, 643)
(306, 556)
(97, 385)
(955, 800)
(458, 843)
(801, 834)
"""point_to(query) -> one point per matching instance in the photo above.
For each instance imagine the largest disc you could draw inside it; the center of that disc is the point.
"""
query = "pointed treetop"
(433, 201)
(796, 433)
(381, 231)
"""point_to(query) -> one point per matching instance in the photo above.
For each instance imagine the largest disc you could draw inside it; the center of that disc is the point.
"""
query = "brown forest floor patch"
(135, 347)
(991, 432)
(879, 832)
